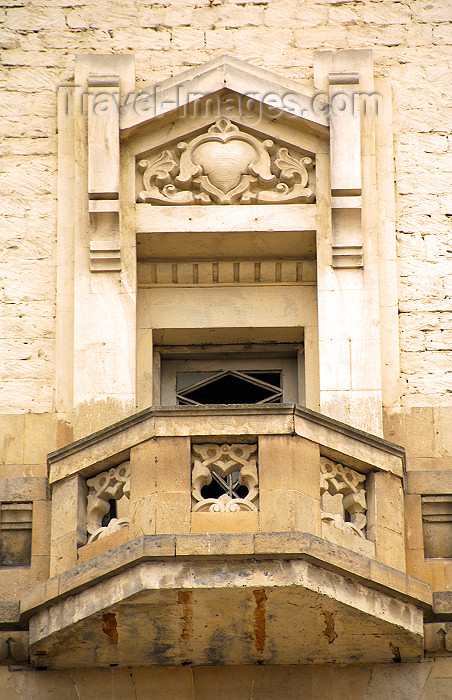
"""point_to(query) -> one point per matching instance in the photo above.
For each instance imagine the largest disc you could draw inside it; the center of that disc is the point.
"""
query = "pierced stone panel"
(226, 166)
(343, 497)
(105, 491)
(224, 478)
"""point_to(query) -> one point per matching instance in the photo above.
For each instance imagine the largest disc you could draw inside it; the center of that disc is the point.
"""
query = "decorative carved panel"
(107, 486)
(226, 166)
(225, 272)
(232, 467)
(343, 491)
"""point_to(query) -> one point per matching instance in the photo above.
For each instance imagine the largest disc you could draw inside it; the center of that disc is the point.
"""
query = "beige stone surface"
(289, 462)
(225, 522)
(173, 512)
(289, 510)
(411, 48)
(177, 590)
(429, 679)
(143, 516)
(93, 549)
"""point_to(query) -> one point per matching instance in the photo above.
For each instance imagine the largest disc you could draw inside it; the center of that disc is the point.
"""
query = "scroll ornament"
(226, 166)
(337, 479)
(103, 488)
(224, 460)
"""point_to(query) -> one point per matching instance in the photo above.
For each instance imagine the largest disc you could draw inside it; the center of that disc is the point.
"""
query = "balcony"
(226, 535)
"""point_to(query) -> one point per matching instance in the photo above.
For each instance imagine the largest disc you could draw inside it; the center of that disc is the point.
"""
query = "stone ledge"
(179, 600)
(103, 448)
(429, 483)
(25, 488)
(279, 546)
(9, 614)
(442, 603)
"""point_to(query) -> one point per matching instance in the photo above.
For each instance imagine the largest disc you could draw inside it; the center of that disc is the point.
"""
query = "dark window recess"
(228, 485)
(230, 387)
(437, 526)
(112, 513)
(15, 534)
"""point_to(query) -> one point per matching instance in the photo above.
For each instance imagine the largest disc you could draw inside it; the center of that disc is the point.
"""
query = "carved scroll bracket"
(335, 479)
(107, 486)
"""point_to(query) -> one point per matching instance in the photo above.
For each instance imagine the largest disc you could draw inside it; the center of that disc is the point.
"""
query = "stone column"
(289, 484)
(101, 253)
(68, 523)
(347, 246)
(160, 495)
(385, 518)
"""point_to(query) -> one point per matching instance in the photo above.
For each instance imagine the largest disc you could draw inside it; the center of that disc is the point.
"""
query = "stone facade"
(132, 260)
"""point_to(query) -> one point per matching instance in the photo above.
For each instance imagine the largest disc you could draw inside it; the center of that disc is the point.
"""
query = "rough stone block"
(142, 470)
(40, 543)
(164, 683)
(63, 553)
(12, 439)
(390, 548)
(143, 516)
(225, 522)
(289, 462)
(93, 549)
(384, 503)
(413, 522)
(285, 511)
(9, 611)
(430, 482)
(214, 544)
(173, 511)
(69, 508)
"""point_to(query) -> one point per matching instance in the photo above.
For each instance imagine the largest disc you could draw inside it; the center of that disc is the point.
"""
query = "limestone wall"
(411, 42)
(424, 681)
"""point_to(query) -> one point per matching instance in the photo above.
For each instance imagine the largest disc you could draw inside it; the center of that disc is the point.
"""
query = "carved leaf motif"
(103, 488)
(224, 460)
(113, 526)
(224, 504)
(157, 181)
(294, 177)
(350, 484)
(225, 166)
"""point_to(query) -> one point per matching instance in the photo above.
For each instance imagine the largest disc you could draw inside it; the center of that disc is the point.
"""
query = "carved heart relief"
(224, 163)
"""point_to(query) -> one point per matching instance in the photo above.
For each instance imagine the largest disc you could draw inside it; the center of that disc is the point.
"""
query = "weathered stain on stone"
(110, 627)
(259, 619)
(329, 630)
(396, 653)
(185, 599)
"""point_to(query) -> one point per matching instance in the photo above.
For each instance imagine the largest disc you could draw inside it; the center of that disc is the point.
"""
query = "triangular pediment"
(224, 73)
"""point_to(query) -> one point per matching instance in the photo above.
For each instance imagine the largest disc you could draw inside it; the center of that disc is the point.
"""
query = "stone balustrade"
(228, 475)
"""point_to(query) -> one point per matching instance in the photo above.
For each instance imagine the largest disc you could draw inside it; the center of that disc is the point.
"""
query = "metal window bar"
(230, 484)
(185, 400)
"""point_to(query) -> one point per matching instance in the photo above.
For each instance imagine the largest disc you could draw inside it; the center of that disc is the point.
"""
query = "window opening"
(229, 387)
(15, 534)
(229, 485)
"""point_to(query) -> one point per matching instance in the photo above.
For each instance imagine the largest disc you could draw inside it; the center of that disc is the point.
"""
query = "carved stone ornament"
(226, 166)
(335, 479)
(220, 461)
(107, 486)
